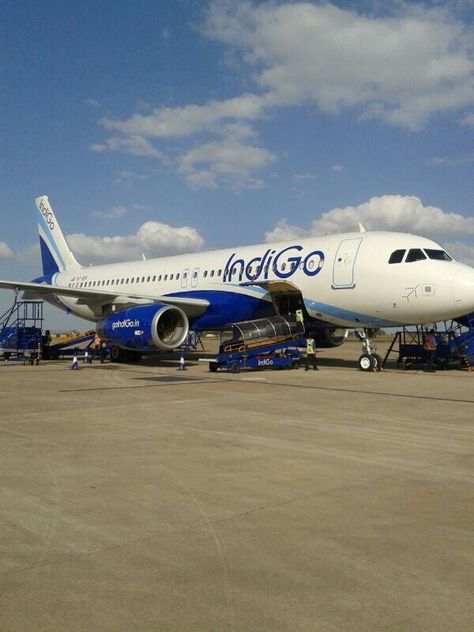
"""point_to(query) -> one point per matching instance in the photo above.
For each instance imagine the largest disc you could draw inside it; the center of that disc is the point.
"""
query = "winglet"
(55, 252)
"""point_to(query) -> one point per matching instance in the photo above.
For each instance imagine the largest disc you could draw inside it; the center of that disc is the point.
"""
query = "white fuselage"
(345, 280)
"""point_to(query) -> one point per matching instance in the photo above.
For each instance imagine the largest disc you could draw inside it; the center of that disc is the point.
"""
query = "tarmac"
(145, 498)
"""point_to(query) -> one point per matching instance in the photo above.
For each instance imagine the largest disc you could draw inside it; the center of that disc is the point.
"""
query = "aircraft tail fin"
(55, 252)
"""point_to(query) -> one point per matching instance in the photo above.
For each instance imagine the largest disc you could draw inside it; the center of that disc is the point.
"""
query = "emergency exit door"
(343, 275)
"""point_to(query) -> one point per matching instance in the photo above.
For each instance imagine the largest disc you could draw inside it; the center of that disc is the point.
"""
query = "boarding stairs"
(21, 330)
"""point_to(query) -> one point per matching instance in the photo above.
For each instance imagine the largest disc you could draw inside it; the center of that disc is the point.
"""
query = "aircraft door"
(343, 274)
(195, 277)
(287, 303)
(184, 277)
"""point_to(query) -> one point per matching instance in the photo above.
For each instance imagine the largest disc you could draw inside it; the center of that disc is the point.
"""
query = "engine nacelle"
(146, 327)
(330, 337)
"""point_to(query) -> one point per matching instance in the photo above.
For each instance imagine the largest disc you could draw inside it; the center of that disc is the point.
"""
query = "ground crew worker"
(429, 346)
(97, 343)
(310, 354)
(75, 362)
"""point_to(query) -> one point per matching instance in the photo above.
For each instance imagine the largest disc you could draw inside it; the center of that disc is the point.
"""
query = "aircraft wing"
(191, 306)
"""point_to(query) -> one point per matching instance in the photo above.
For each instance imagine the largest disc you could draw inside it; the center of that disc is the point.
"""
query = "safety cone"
(182, 366)
(75, 364)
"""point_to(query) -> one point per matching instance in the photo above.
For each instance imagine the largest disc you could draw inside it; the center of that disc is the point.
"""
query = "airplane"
(361, 280)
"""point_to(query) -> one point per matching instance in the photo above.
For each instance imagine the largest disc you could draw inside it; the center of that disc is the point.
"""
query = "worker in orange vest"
(97, 343)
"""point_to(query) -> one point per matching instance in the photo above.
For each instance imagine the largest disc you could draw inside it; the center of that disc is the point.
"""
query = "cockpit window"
(415, 254)
(396, 256)
(439, 255)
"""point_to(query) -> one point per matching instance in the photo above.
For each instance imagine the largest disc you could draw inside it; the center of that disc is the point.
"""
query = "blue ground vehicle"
(267, 343)
(21, 330)
(455, 344)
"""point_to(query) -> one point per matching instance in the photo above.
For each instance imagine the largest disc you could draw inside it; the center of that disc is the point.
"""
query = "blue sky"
(170, 126)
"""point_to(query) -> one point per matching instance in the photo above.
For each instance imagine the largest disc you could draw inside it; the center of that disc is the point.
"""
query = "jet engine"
(330, 337)
(145, 327)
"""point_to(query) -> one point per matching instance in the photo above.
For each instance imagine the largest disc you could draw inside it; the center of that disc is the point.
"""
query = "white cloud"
(439, 161)
(5, 251)
(210, 164)
(461, 252)
(153, 239)
(92, 103)
(387, 212)
(302, 177)
(133, 144)
(468, 119)
(115, 212)
(169, 122)
(283, 231)
(402, 68)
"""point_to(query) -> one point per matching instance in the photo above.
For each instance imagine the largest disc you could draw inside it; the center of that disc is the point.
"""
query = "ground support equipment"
(21, 331)
(454, 345)
(266, 343)
(283, 354)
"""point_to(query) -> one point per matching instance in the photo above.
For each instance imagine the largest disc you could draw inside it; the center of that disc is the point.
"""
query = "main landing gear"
(369, 360)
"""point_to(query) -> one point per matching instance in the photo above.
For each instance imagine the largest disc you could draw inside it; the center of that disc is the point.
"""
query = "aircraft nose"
(463, 289)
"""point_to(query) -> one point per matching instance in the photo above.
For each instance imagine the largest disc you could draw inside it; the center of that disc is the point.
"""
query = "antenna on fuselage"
(361, 228)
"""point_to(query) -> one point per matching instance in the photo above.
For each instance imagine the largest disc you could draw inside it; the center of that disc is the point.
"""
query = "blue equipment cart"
(267, 343)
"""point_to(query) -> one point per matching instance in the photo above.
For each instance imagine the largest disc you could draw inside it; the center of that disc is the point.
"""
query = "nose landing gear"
(369, 360)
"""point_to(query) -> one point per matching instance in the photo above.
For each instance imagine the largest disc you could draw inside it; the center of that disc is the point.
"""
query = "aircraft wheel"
(116, 354)
(378, 362)
(132, 356)
(366, 362)
(213, 367)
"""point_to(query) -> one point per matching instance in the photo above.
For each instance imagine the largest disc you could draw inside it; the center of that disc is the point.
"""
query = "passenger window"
(154, 278)
(165, 278)
(212, 273)
(219, 272)
(177, 276)
(171, 277)
(415, 254)
(439, 255)
(205, 273)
